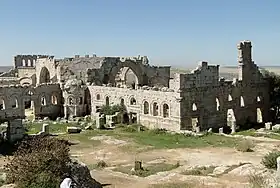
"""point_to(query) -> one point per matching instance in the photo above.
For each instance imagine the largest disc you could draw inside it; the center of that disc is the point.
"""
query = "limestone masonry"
(79, 86)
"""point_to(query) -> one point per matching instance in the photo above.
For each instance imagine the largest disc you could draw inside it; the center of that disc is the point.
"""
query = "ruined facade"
(78, 86)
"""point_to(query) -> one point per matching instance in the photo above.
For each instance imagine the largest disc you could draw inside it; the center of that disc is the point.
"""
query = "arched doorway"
(44, 76)
(126, 77)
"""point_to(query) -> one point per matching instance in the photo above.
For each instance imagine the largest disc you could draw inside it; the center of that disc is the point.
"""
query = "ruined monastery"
(80, 86)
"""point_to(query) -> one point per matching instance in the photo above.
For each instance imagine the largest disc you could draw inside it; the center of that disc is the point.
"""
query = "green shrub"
(40, 161)
(270, 159)
(158, 131)
(245, 146)
(111, 110)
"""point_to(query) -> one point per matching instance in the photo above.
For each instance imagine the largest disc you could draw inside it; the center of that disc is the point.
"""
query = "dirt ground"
(113, 152)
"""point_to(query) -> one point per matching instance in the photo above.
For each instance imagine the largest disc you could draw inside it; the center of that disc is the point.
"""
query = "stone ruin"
(79, 86)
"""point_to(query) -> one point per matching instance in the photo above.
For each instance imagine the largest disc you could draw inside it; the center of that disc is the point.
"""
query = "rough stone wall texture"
(210, 96)
(151, 118)
(46, 70)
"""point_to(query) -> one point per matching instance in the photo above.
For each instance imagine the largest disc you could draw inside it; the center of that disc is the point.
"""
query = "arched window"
(218, 104)
(28, 63)
(165, 110)
(229, 98)
(242, 103)
(258, 99)
(132, 101)
(70, 101)
(98, 97)
(194, 107)
(146, 107)
(107, 101)
(14, 103)
(43, 101)
(155, 109)
(2, 104)
(54, 99)
(122, 102)
(23, 63)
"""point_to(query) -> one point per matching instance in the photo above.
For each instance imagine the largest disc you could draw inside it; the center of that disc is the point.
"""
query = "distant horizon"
(175, 33)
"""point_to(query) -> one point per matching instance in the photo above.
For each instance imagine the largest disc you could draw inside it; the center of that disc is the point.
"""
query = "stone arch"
(165, 110)
(146, 109)
(28, 92)
(132, 101)
(134, 66)
(44, 75)
(242, 102)
(71, 100)
(218, 106)
(25, 81)
(194, 107)
(155, 109)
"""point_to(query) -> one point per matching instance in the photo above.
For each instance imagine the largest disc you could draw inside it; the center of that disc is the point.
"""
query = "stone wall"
(154, 109)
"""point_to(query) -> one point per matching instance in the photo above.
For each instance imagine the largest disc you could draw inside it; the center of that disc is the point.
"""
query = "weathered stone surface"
(268, 125)
(276, 127)
(80, 174)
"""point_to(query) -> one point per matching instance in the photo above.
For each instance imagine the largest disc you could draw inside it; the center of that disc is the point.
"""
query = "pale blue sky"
(175, 32)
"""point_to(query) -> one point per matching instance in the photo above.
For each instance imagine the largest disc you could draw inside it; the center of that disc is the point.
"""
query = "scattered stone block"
(197, 129)
(46, 118)
(276, 127)
(46, 128)
(72, 130)
(268, 125)
(210, 130)
(89, 127)
(221, 130)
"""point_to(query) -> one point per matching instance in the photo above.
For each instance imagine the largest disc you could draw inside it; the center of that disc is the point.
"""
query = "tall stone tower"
(245, 63)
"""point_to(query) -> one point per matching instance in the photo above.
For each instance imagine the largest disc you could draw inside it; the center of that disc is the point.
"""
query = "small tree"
(111, 110)
(39, 162)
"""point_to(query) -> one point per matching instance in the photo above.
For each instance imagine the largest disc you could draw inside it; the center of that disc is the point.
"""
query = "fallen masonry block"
(72, 130)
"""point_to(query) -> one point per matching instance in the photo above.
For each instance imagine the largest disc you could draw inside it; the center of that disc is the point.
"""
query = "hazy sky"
(175, 32)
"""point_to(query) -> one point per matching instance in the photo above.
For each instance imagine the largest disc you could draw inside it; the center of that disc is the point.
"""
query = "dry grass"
(200, 171)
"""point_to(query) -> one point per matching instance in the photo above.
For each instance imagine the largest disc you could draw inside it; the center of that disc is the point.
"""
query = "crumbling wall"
(154, 108)
(46, 70)
(208, 102)
(47, 100)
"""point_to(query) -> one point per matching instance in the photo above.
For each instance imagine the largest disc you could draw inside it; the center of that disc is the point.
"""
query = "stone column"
(15, 130)
(65, 111)
(221, 130)
(46, 128)
(32, 105)
(233, 127)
